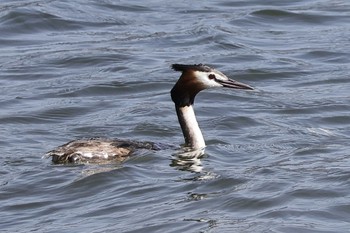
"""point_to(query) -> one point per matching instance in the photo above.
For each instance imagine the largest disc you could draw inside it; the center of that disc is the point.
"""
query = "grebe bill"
(194, 78)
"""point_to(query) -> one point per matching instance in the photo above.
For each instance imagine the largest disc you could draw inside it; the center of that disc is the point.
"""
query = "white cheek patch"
(203, 78)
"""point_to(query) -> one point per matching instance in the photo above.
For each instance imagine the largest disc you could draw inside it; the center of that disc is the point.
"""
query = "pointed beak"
(230, 83)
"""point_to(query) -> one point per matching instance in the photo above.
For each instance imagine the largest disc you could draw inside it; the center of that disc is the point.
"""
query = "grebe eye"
(211, 76)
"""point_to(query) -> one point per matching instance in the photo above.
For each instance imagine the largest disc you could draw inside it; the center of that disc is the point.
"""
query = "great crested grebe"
(194, 78)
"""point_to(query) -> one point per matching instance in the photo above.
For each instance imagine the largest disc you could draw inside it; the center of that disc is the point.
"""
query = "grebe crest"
(194, 78)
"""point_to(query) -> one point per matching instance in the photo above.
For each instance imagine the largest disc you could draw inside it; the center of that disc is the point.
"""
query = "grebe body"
(97, 150)
(194, 78)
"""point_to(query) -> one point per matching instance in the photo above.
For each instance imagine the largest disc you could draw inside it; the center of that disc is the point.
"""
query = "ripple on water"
(21, 21)
(290, 18)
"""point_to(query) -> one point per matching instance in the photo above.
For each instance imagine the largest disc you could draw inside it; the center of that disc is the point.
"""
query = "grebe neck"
(190, 128)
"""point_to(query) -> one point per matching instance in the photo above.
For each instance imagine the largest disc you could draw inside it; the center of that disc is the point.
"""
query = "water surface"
(277, 159)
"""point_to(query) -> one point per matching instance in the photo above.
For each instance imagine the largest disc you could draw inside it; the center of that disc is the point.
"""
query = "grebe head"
(196, 78)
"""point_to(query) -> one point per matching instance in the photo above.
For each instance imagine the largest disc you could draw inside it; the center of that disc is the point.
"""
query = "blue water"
(277, 158)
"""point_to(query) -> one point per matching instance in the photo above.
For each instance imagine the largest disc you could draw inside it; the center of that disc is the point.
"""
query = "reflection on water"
(99, 168)
(188, 160)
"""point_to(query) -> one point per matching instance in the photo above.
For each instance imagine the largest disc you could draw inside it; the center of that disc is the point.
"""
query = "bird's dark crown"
(196, 67)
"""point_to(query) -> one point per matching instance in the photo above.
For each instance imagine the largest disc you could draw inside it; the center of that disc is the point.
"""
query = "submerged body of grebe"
(98, 150)
(194, 79)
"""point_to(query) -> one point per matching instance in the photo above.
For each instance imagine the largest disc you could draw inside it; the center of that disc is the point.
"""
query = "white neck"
(189, 125)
